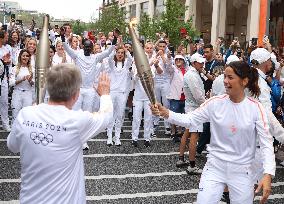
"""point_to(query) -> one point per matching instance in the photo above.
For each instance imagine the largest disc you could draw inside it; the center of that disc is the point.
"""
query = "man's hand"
(104, 84)
(265, 185)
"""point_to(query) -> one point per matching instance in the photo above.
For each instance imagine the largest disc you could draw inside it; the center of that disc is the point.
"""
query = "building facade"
(245, 19)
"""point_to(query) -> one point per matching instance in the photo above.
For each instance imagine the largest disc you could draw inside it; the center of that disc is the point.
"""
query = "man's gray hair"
(63, 81)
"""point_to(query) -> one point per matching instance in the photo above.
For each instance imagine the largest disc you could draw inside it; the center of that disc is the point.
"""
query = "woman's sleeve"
(195, 118)
(70, 51)
(265, 141)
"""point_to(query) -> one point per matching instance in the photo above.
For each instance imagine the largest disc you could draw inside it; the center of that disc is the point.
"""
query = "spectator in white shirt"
(23, 89)
(49, 138)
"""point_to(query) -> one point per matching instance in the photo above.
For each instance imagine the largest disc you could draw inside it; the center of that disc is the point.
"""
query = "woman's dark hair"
(243, 70)
(52, 47)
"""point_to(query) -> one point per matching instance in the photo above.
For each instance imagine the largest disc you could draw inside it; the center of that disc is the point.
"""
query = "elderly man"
(49, 138)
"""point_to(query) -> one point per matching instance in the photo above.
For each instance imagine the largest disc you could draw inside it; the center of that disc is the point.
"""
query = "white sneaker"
(117, 143)
(193, 171)
(181, 163)
(109, 143)
(85, 146)
(282, 163)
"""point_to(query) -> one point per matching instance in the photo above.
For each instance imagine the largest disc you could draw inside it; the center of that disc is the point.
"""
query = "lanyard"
(211, 65)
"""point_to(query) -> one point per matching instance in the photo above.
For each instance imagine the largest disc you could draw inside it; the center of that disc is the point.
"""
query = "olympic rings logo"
(41, 138)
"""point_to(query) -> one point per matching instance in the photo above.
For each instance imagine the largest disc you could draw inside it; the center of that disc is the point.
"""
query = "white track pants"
(86, 99)
(20, 99)
(138, 107)
(161, 91)
(4, 104)
(257, 166)
(118, 101)
(217, 174)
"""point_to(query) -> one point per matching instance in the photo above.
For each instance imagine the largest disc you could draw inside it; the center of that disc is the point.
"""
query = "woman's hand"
(159, 110)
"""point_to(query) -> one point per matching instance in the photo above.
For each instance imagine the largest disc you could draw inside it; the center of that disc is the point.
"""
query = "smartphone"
(5, 28)
(86, 34)
(172, 50)
(265, 39)
(254, 41)
(13, 17)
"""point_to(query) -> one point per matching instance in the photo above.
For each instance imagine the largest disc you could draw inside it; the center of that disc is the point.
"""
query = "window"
(159, 6)
(144, 7)
(133, 11)
(123, 9)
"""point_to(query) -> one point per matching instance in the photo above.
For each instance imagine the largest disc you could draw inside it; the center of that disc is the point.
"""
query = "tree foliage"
(172, 20)
(147, 27)
(111, 17)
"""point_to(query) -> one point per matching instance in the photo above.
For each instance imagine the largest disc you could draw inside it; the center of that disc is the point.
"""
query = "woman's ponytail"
(253, 82)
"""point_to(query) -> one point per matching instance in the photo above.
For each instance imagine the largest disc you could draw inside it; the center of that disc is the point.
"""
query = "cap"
(179, 57)
(197, 58)
(260, 55)
(232, 58)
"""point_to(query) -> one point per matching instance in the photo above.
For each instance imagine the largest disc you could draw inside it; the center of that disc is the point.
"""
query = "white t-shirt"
(24, 85)
(218, 87)
(119, 74)
(5, 49)
(87, 64)
(58, 60)
(49, 139)
(234, 130)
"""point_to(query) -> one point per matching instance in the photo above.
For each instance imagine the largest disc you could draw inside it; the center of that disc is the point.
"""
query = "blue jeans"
(177, 106)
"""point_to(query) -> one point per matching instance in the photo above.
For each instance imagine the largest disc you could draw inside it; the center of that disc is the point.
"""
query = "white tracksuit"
(58, 60)
(87, 66)
(4, 105)
(141, 102)
(194, 93)
(119, 77)
(162, 86)
(218, 87)
(23, 92)
(235, 127)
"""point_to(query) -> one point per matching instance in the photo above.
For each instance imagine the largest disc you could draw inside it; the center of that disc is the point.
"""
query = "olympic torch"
(42, 61)
(143, 68)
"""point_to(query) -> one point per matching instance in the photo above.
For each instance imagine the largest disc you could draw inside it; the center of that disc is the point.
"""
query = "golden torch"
(143, 68)
(42, 61)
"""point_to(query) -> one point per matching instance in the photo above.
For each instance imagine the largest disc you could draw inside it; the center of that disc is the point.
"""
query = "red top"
(182, 96)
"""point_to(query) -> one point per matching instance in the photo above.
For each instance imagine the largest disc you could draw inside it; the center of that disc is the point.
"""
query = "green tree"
(79, 27)
(172, 20)
(111, 17)
(147, 27)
